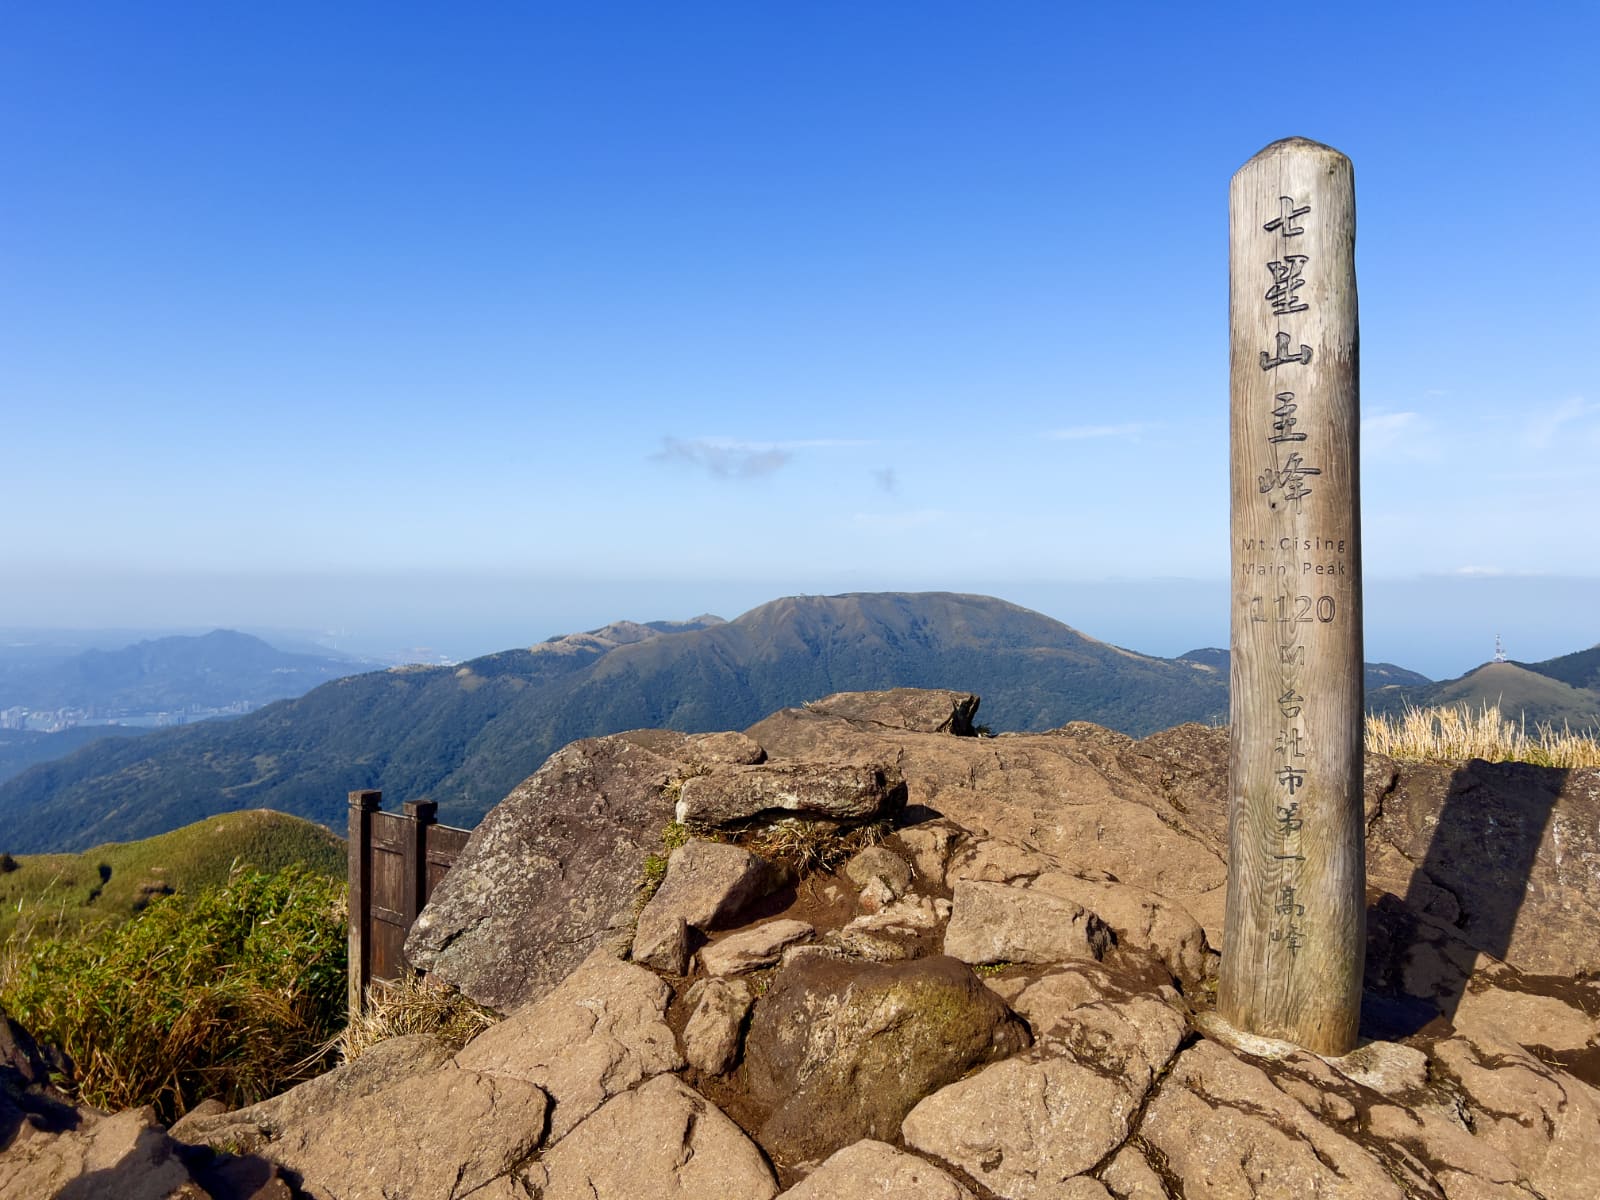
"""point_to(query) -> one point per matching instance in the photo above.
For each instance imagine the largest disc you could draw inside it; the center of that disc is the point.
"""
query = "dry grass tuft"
(809, 846)
(417, 1005)
(1455, 734)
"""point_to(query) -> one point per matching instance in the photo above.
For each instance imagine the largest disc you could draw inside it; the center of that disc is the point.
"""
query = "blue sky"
(576, 312)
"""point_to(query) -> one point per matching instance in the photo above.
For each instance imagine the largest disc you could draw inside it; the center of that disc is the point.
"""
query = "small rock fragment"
(752, 949)
(711, 1038)
(882, 864)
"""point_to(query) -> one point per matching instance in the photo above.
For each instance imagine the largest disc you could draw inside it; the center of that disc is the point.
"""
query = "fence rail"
(396, 860)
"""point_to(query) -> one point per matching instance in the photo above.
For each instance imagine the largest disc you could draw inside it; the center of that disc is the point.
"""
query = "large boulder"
(840, 1049)
(552, 872)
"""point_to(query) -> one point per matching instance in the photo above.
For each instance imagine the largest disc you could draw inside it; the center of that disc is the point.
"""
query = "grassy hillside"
(1580, 670)
(110, 883)
(466, 735)
(1521, 693)
(22, 748)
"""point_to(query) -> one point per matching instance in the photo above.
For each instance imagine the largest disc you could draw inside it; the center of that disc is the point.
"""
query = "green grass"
(233, 991)
(55, 893)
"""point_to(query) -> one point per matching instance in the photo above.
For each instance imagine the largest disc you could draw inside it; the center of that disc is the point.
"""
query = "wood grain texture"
(1295, 929)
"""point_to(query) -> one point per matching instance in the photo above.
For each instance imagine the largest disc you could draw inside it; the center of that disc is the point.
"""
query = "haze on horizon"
(470, 328)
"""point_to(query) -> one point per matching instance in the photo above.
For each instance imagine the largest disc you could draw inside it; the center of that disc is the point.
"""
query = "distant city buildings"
(56, 719)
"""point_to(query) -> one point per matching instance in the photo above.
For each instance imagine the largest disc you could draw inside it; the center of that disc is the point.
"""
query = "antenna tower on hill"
(1499, 649)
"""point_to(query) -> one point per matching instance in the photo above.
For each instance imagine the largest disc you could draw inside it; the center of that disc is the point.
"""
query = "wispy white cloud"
(1542, 429)
(1480, 571)
(1076, 433)
(731, 458)
(1402, 433)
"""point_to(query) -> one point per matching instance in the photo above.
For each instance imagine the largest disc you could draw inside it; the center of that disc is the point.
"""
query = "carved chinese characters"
(1295, 924)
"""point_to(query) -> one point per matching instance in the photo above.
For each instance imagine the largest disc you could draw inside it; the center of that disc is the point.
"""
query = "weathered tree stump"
(1296, 919)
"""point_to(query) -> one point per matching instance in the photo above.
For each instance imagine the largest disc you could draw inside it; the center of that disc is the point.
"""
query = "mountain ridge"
(465, 735)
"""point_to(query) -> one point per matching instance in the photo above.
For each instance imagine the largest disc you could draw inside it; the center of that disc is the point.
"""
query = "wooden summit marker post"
(1295, 933)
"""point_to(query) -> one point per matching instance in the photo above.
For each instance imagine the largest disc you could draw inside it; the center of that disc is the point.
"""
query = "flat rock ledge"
(844, 792)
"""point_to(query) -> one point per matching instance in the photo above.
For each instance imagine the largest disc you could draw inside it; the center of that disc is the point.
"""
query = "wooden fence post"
(422, 814)
(359, 873)
(1295, 931)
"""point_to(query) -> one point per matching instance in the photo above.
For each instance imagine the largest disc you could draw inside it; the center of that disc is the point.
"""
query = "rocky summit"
(890, 959)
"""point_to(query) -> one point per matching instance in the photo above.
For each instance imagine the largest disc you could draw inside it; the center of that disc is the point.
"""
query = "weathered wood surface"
(396, 860)
(1295, 928)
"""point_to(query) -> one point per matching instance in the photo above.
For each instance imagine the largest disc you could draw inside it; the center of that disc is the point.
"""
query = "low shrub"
(232, 991)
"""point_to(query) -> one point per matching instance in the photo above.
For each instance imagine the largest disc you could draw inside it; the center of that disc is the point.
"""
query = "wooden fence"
(396, 860)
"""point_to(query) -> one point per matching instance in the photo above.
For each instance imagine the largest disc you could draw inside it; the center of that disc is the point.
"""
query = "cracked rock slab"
(1221, 1127)
(662, 1141)
(1025, 1126)
(872, 1170)
(600, 1032)
(552, 872)
(445, 1134)
(1544, 1120)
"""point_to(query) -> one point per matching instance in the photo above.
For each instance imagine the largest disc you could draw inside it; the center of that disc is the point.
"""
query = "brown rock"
(128, 1156)
(1463, 1164)
(842, 1050)
(837, 791)
(929, 847)
(599, 1033)
(1545, 1121)
(443, 1134)
(384, 1064)
(711, 1037)
(1223, 1129)
(1387, 1068)
(754, 948)
(914, 710)
(734, 749)
(1086, 1014)
(881, 864)
(872, 1170)
(568, 844)
(1130, 1177)
(1137, 917)
(1093, 799)
(664, 1141)
(1025, 1126)
(707, 883)
(996, 922)
(1502, 852)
